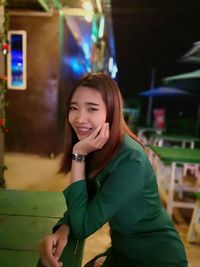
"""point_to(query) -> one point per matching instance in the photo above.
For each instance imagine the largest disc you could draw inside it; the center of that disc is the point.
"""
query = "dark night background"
(155, 34)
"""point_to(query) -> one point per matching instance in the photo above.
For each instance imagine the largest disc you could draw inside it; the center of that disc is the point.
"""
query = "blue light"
(76, 65)
(86, 50)
(16, 60)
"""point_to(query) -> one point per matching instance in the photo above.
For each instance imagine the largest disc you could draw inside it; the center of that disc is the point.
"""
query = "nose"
(81, 116)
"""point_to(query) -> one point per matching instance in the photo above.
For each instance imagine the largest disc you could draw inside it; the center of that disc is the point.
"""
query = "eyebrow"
(87, 103)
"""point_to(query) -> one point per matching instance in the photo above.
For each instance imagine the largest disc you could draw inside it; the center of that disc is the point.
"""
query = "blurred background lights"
(98, 3)
(110, 64)
(89, 18)
(86, 50)
(101, 26)
(114, 71)
(88, 7)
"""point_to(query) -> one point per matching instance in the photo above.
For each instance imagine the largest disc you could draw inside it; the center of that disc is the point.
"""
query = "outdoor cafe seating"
(174, 178)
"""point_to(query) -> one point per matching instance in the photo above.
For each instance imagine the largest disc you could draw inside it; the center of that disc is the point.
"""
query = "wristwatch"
(78, 157)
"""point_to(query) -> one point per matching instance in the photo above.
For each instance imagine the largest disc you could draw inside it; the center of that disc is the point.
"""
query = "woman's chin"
(81, 137)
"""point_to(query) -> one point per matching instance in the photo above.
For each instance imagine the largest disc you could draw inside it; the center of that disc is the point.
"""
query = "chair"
(178, 185)
(192, 168)
(194, 228)
(144, 134)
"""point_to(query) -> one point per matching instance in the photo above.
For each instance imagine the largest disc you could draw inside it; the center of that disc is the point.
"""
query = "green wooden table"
(175, 154)
(159, 139)
(177, 157)
(25, 218)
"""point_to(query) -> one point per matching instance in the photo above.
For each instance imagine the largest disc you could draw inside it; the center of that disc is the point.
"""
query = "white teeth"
(84, 129)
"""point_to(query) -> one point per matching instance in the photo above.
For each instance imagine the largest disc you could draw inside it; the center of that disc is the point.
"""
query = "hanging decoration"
(3, 79)
(4, 50)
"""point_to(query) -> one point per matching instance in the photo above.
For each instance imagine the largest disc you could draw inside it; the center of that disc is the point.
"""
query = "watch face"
(78, 157)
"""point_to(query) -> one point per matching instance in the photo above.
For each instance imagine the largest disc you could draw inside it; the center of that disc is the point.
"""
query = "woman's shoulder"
(130, 143)
(129, 150)
(129, 153)
(131, 147)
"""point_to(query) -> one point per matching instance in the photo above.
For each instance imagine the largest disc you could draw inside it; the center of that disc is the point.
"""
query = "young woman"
(112, 181)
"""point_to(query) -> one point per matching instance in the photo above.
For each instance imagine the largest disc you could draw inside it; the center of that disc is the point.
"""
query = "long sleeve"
(123, 182)
(63, 220)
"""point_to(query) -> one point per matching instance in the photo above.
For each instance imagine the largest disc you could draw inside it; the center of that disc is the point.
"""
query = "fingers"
(102, 136)
(96, 140)
(47, 247)
(106, 130)
(95, 133)
(60, 247)
(100, 130)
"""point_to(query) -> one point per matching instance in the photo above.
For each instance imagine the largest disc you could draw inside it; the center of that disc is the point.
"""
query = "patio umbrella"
(161, 92)
(193, 55)
(164, 91)
(188, 75)
(189, 81)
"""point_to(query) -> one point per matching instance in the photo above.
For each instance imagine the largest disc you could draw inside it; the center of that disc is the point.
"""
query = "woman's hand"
(93, 142)
(52, 246)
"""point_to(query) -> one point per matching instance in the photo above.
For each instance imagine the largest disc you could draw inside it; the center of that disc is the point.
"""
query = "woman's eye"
(73, 108)
(93, 109)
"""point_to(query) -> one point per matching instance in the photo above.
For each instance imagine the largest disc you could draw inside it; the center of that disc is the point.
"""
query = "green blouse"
(126, 196)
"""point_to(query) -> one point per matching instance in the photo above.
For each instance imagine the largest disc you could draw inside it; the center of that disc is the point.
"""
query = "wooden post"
(150, 101)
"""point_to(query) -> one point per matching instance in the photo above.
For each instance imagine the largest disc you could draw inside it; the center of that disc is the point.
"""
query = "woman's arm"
(123, 183)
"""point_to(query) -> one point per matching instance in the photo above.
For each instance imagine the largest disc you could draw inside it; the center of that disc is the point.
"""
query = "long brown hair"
(111, 95)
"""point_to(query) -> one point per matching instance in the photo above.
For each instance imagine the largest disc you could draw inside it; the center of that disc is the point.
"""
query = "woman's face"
(87, 111)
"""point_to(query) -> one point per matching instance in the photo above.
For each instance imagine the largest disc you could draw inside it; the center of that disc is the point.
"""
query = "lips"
(83, 131)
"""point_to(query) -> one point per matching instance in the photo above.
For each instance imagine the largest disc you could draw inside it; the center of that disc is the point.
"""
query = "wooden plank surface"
(12, 258)
(23, 232)
(25, 218)
(18, 202)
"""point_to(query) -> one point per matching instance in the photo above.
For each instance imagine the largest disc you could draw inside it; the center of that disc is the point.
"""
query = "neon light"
(101, 26)
(94, 38)
(86, 50)
(110, 64)
(114, 71)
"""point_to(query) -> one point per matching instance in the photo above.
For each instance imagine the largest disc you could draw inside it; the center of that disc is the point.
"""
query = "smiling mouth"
(83, 130)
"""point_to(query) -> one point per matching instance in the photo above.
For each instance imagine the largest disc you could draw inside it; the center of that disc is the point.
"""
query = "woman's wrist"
(78, 157)
(77, 149)
(64, 229)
